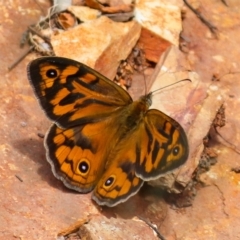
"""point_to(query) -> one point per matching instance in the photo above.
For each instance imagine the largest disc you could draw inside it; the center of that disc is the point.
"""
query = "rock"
(160, 17)
(97, 43)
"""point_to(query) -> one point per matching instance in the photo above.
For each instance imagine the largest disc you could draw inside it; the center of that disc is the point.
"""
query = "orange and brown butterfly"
(101, 140)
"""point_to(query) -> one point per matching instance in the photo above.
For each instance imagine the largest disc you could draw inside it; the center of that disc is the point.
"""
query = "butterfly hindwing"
(78, 154)
(119, 181)
(164, 146)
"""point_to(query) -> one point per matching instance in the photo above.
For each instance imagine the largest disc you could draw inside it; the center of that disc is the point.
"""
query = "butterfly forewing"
(72, 93)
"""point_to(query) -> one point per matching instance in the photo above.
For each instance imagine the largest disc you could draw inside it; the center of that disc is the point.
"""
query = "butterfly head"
(147, 99)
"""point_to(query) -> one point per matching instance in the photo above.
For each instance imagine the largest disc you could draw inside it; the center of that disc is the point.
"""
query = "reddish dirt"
(35, 205)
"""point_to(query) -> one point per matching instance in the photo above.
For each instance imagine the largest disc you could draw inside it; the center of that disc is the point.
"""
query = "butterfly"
(101, 140)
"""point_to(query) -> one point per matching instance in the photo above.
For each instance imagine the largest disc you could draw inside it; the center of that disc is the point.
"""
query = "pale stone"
(161, 17)
(101, 227)
(100, 44)
(84, 13)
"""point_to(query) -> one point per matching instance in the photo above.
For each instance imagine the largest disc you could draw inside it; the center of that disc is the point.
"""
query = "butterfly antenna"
(145, 83)
(183, 80)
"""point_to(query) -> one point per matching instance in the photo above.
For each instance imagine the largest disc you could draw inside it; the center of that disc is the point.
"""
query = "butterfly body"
(101, 139)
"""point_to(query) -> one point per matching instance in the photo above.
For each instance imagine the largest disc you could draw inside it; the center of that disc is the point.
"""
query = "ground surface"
(34, 205)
